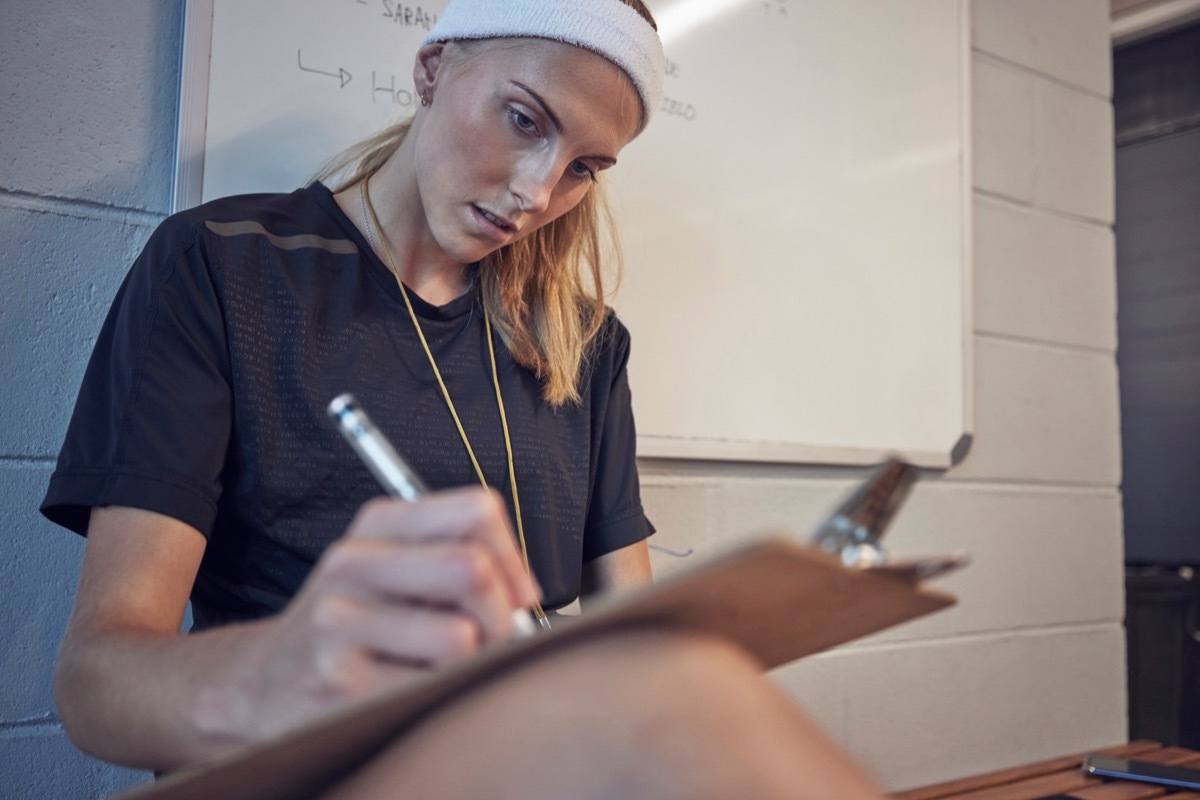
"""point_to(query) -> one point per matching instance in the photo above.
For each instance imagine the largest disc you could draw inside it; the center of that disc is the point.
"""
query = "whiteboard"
(795, 221)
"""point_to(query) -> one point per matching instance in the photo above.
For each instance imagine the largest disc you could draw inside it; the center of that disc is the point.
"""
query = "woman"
(439, 284)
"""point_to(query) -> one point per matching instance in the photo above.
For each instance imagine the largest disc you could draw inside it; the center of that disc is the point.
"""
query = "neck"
(398, 231)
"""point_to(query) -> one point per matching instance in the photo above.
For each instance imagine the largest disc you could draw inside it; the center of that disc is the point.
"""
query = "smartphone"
(1144, 771)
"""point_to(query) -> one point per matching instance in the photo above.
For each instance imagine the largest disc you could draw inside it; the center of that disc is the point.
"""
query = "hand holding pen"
(408, 588)
(392, 472)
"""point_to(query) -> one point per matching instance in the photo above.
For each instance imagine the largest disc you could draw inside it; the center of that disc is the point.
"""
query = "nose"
(533, 182)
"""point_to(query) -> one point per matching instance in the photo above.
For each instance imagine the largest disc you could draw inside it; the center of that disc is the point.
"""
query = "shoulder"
(242, 233)
(306, 211)
(613, 337)
(608, 352)
(280, 217)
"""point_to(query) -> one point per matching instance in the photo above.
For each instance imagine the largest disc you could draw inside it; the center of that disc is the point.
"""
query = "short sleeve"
(151, 423)
(615, 515)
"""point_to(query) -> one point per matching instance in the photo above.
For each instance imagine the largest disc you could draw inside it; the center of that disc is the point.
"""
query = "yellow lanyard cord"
(487, 323)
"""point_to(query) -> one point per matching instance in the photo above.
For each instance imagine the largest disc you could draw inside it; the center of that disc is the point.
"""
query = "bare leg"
(646, 713)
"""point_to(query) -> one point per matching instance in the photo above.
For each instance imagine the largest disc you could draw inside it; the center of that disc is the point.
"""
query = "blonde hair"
(545, 292)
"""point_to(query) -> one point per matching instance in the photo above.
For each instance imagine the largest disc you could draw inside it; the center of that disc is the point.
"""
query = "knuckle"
(482, 504)
(336, 675)
(371, 513)
(496, 508)
(375, 506)
(343, 558)
(332, 612)
(461, 636)
(477, 569)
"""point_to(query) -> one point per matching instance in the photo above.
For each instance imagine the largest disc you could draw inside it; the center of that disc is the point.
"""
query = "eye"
(580, 169)
(523, 121)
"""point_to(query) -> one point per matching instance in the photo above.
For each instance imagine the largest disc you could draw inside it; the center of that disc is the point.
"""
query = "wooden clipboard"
(777, 599)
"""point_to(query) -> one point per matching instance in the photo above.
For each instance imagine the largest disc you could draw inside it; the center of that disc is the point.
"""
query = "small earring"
(424, 100)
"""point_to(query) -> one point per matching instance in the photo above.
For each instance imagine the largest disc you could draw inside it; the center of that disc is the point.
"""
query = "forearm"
(409, 588)
(154, 701)
(622, 569)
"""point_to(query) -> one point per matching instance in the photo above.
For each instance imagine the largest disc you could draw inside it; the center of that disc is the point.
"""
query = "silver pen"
(393, 474)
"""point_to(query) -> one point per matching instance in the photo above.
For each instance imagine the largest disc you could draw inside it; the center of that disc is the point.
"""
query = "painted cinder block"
(1043, 415)
(39, 565)
(1003, 132)
(698, 518)
(1064, 39)
(1040, 557)
(96, 85)
(1041, 143)
(43, 765)
(58, 275)
(1005, 28)
(1074, 140)
(1073, 43)
(684, 514)
(943, 709)
(1044, 277)
(916, 707)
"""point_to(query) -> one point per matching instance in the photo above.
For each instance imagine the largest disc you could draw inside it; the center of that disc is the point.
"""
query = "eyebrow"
(537, 98)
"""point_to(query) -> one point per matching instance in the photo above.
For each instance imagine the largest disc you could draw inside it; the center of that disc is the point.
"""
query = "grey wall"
(1030, 664)
(88, 96)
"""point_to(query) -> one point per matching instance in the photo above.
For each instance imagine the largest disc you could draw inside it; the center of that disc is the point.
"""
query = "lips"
(493, 226)
(498, 221)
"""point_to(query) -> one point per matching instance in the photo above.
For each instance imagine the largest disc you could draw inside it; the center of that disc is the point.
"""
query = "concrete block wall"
(89, 94)
(1030, 664)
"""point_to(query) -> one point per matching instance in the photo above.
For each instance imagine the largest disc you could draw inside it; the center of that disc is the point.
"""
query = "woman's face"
(515, 135)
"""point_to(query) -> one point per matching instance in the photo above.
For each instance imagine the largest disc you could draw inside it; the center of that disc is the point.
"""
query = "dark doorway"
(1156, 98)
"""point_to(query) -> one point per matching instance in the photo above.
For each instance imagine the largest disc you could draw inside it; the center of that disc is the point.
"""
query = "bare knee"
(694, 717)
(642, 713)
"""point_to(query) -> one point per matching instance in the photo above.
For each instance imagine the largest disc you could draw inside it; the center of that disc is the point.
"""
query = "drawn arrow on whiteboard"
(342, 75)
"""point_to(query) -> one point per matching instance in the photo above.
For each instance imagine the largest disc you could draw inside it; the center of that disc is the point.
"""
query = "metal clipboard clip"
(852, 532)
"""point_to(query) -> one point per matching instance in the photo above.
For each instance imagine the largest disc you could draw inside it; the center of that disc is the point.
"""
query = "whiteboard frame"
(188, 191)
(188, 180)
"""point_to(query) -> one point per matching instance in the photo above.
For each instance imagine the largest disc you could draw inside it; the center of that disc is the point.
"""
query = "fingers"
(409, 587)
(458, 577)
(403, 635)
(464, 516)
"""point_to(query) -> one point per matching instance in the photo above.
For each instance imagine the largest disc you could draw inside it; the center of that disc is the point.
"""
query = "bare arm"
(410, 587)
(123, 671)
(620, 569)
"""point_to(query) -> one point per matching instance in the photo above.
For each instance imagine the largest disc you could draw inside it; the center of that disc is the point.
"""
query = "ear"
(425, 69)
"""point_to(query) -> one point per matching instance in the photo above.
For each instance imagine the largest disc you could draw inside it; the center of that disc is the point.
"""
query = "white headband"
(606, 27)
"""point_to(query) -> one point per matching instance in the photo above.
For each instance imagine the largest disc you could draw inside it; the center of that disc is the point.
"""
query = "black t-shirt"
(205, 400)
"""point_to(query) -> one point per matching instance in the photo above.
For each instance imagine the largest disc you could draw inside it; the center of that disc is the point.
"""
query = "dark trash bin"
(1162, 628)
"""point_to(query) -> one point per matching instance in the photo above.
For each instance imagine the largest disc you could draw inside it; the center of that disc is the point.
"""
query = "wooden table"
(1063, 776)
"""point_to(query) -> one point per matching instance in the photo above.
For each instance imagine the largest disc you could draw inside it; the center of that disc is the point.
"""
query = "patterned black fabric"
(206, 393)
